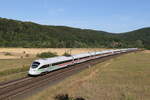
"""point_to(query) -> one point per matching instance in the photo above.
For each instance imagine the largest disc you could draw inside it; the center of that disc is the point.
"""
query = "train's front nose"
(34, 69)
(33, 72)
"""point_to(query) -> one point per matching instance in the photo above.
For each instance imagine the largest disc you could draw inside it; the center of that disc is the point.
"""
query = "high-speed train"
(45, 65)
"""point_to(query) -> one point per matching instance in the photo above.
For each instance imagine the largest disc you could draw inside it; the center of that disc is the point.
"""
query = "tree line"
(14, 33)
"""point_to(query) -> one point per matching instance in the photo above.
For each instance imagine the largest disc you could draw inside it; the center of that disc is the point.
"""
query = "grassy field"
(124, 78)
(6, 64)
(14, 68)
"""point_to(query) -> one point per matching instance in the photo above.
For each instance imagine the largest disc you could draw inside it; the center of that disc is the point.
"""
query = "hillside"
(141, 37)
(15, 33)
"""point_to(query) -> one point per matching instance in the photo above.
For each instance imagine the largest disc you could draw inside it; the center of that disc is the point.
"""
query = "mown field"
(15, 62)
(124, 78)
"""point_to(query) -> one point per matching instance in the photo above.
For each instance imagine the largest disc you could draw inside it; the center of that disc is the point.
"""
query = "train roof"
(80, 55)
(53, 60)
(76, 56)
(63, 58)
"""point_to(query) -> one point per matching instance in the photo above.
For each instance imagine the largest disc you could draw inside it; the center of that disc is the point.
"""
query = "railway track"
(13, 89)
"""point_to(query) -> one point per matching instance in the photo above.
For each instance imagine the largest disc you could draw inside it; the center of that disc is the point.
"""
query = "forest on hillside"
(14, 33)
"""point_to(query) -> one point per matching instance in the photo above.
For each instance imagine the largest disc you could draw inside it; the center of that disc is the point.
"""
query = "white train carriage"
(45, 65)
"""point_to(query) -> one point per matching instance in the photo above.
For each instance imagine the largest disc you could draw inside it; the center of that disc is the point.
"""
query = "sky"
(107, 15)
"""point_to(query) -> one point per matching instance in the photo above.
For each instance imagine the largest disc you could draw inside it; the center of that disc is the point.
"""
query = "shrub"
(24, 52)
(147, 48)
(46, 55)
(27, 55)
(67, 97)
(21, 57)
(66, 54)
(62, 97)
(8, 54)
(79, 98)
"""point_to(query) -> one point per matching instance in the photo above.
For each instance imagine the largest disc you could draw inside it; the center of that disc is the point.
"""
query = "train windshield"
(35, 64)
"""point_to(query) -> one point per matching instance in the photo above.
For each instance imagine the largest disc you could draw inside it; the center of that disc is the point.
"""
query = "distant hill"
(139, 38)
(15, 33)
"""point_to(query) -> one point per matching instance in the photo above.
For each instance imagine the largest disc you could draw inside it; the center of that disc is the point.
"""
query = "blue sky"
(107, 15)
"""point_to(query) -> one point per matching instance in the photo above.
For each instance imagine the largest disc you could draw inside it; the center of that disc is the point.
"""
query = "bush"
(27, 55)
(66, 54)
(46, 55)
(67, 97)
(147, 48)
(62, 97)
(8, 54)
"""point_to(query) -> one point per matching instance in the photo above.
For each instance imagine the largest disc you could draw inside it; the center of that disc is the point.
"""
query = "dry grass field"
(124, 78)
(14, 68)
(15, 53)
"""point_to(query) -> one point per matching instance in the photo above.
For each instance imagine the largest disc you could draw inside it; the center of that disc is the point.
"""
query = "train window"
(35, 64)
(44, 66)
(60, 62)
(57, 63)
(84, 57)
(76, 59)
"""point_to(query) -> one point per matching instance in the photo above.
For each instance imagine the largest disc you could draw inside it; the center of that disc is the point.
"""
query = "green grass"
(124, 78)
(14, 63)
(13, 76)
(14, 68)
